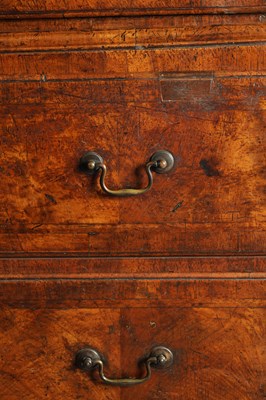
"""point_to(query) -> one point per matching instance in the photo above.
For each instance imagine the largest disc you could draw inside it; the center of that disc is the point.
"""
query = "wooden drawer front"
(212, 202)
(73, 8)
(203, 103)
(217, 337)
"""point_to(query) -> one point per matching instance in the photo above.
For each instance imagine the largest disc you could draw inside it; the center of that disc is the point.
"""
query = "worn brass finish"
(160, 162)
(165, 161)
(160, 357)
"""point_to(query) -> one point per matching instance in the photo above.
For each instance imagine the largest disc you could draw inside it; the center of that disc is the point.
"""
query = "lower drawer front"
(218, 349)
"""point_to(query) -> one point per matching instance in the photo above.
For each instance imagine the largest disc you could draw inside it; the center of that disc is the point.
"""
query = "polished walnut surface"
(127, 88)
(181, 266)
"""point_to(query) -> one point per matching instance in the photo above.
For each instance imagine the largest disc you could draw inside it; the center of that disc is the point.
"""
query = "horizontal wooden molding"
(72, 8)
(136, 38)
(161, 267)
(161, 293)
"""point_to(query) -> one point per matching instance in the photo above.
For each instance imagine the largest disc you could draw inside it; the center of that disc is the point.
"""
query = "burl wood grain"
(219, 348)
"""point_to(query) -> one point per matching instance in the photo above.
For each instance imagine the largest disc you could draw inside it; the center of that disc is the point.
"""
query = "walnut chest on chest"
(132, 203)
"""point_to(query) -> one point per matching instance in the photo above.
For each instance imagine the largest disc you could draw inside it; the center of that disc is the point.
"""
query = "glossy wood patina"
(182, 265)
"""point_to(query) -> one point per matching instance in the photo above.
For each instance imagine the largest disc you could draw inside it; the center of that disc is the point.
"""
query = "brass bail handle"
(88, 359)
(160, 162)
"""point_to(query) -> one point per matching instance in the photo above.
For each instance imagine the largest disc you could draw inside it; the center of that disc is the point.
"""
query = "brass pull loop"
(160, 162)
(160, 357)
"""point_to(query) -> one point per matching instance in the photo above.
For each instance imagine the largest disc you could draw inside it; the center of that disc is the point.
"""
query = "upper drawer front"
(203, 103)
(51, 8)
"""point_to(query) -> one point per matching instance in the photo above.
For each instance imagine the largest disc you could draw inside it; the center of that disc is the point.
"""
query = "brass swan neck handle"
(88, 359)
(160, 162)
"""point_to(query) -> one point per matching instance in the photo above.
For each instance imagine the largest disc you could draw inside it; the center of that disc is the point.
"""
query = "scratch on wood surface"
(50, 198)
(178, 205)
